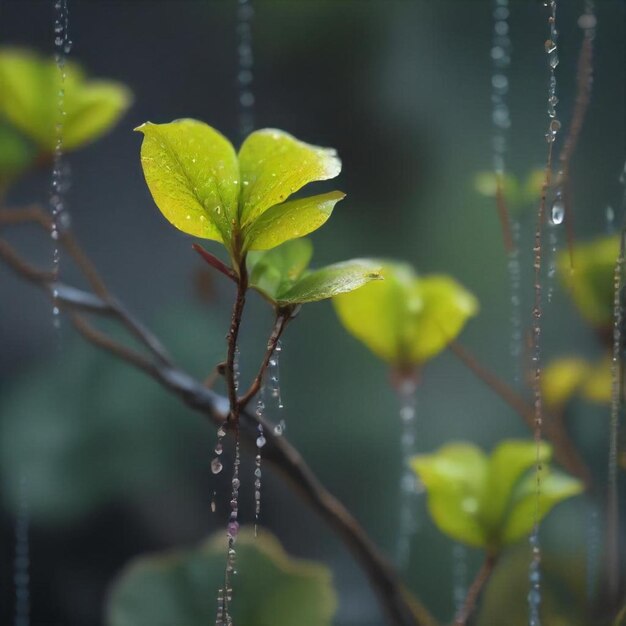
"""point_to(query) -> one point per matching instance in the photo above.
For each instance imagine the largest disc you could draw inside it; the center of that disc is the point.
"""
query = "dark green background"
(402, 90)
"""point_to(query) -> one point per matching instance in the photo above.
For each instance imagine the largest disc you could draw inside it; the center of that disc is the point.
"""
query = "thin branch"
(401, 608)
(565, 451)
(282, 319)
(504, 215)
(476, 588)
(214, 262)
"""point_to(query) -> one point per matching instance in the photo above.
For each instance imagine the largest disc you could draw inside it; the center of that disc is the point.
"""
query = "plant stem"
(232, 338)
(473, 593)
(282, 319)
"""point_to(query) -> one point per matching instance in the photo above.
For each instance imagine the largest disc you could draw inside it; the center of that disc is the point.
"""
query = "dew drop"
(557, 214)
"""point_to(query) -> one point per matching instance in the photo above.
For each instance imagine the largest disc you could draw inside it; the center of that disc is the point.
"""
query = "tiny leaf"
(280, 267)
(330, 281)
(275, 165)
(193, 176)
(291, 220)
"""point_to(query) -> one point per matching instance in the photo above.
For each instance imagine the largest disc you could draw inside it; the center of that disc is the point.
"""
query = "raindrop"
(245, 75)
(558, 211)
(60, 172)
(409, 486)
(260, 442)
(216, 465)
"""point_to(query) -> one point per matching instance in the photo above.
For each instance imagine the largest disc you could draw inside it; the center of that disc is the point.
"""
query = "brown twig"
(473, 593)
(282, 319)
(584, 82)
(401, 608)
(565, 451)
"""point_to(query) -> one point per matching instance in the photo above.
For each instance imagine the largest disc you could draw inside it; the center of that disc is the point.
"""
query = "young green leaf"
(590, 282)
(29, 88)
(275, 165)
(406, 319)
(205, 189)
(171, 589)
(279, 268)
(193, 176)
(490, 501)
(290, 220)
(330, 281)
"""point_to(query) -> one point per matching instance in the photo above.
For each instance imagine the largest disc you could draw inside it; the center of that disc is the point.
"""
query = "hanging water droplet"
(557, 214)
(216, 466)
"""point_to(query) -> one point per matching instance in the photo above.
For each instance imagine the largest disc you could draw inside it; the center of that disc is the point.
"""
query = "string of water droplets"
(459, 576)
(616, 409)
(408, 482)
(274, 375)
(60, 170)
(551, 48)
(245, 76)
(21, 563)
(501, 118)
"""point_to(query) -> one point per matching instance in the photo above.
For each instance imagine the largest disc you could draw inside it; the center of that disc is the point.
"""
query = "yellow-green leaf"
(279, 268)
(598, 386)
(447, 307)
(290, 220)
(275, 165)
(29, 99)
(455, 480)
(489, 502)
(590, 281)
(555, 487)
(407, 319)
(330, 281)
(193, 176)
(561, 379)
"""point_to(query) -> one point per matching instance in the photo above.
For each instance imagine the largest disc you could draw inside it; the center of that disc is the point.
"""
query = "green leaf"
(279, 268)
(598, 385)
(454, 478)
(555, 487)
(490, 502)
(275, 165)
(561, 379)
(193, 176)
(291, 220)
(180, 588)
(406, 319)
(508, 463)
(446, 308)
(29, 96)
(330, 281)
(16, 155)
(590, 281)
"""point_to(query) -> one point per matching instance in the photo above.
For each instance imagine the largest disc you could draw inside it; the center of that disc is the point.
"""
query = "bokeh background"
(115, 468)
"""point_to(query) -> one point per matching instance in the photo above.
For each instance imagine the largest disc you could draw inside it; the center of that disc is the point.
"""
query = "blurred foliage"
(95, 430)
(30, 90)
(204, 188)
(490, 501)
(517, 193)
(406, 319)
(565, 377)
(272, 589)
(15, 155)
(562, 590)
(590, 282)
(282, 277)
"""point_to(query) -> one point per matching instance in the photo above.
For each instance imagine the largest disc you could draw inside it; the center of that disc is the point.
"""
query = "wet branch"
(565, 450)
(476, 588)
(400, 607)
(282, 319)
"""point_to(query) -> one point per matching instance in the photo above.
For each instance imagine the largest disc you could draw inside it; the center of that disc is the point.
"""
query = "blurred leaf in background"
(272, 588)
(489, 501)
(29, 95)
(406, 319)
